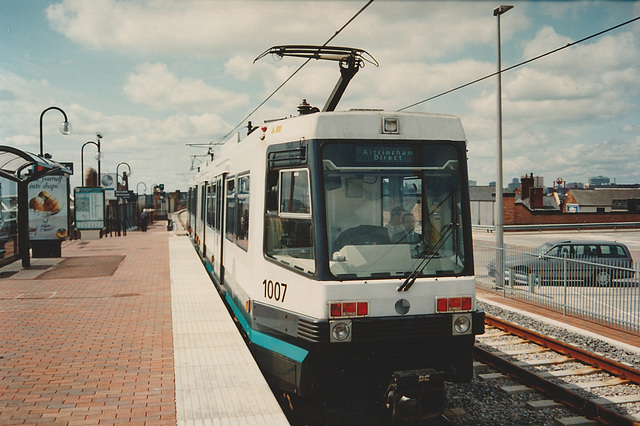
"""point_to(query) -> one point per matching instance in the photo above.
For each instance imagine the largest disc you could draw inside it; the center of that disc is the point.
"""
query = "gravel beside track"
(486, 403)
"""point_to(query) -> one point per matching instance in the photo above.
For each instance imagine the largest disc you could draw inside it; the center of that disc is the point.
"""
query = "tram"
(341, 242)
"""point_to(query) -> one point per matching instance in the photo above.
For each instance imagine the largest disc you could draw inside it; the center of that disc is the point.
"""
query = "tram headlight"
(340, 331)
(461, 324)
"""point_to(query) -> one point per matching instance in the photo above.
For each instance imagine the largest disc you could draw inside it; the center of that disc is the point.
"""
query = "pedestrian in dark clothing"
(144, 219)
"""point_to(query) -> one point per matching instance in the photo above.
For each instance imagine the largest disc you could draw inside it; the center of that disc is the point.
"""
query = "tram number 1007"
(275, 291)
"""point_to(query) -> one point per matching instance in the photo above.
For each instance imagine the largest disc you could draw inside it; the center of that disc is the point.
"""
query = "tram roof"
(353, 124)
(361, 124)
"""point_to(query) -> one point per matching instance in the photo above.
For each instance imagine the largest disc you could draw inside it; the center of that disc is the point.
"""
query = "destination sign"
(384, 154)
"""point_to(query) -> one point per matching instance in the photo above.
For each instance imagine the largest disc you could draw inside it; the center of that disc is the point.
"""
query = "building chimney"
(536, 197)
(526, 183)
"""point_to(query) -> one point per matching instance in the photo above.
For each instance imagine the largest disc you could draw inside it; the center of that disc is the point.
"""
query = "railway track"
(598, 388)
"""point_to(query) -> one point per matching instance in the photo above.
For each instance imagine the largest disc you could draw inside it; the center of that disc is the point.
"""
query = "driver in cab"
(408, 235)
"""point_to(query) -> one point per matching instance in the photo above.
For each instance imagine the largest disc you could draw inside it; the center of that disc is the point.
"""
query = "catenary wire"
(519, 64)
(296, 71)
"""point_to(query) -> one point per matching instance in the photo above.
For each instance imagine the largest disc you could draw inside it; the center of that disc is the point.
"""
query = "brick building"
(528, 205)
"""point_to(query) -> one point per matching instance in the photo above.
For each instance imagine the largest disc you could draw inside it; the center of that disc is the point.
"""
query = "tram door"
(201, 228)
(218, 220)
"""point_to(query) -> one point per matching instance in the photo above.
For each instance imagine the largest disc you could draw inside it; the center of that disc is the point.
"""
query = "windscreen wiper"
(433, 252)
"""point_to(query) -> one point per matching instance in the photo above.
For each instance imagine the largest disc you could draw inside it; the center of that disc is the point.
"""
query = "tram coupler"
(416, 394)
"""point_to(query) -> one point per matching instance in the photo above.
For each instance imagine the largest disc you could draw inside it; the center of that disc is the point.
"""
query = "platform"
(124, 330)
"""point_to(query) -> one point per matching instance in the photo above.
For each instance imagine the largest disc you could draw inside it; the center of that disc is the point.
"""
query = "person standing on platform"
(144, 219)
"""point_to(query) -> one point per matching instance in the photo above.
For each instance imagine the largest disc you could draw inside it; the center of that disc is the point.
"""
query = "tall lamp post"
(98, 157)
(117, 175)
(499, 213)
(145, 187)
(65, 127)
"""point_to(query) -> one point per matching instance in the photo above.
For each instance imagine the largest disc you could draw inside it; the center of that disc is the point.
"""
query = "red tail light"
(454, 304)
(467, 304)
(336, 309)
(348, 309)
(442, 305)
(363, 309)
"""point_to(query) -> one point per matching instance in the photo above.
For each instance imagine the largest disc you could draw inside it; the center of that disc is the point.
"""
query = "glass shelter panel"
(393, 209)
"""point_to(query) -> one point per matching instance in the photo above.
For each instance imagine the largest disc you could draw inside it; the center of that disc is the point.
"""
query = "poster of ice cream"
(48, 208)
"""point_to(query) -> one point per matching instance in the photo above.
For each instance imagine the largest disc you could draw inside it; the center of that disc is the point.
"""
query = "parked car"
(591, 262)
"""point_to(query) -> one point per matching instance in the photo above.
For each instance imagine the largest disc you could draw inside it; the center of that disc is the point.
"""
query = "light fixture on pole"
(65, 127)
(499, 212)
(98, 157)
(117, 175)
(145, 187)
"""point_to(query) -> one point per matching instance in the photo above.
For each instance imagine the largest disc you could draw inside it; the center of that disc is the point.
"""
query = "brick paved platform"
(89, 339)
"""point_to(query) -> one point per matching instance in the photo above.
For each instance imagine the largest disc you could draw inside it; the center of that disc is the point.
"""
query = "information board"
(89, 208)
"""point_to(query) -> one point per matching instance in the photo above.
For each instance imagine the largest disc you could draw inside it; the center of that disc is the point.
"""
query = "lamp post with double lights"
(499, 212)
(65, 127)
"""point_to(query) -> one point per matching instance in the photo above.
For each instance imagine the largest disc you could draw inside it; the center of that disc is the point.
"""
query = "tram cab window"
(288, 230)
(371, 187)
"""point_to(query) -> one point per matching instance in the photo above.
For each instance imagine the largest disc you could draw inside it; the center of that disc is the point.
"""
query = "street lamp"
(65, 127)
(117, 175)
(98, 157)
(145, 187)
(499, 214)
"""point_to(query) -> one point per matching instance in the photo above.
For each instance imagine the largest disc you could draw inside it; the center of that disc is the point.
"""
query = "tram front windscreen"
(394, 209)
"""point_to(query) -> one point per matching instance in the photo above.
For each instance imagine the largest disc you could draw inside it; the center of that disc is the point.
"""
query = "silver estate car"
(589, 262)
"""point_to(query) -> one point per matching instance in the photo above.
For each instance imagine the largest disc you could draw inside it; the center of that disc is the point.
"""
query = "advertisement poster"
(89, 208)
(48, 208)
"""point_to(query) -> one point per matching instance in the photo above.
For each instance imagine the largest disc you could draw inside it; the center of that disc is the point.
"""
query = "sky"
(155, 75)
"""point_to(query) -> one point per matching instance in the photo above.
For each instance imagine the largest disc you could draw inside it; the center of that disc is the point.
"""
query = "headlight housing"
(461, 324)
(340, 331)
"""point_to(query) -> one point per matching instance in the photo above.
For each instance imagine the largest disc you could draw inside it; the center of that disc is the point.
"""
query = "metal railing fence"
(605, 290)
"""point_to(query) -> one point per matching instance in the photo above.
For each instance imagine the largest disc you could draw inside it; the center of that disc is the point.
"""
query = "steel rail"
(610, 366)
(579, 403)
(583, 405)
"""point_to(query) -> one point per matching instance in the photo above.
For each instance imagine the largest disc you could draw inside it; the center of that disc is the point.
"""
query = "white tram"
(293, 223)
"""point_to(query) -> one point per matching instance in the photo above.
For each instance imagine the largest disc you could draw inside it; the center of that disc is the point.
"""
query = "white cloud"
(204, 28)
(562, 104)
(154, 85)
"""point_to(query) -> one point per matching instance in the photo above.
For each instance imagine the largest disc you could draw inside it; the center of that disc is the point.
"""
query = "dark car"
(590, 262)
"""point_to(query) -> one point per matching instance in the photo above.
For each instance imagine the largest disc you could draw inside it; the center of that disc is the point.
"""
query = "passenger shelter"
(23, 168)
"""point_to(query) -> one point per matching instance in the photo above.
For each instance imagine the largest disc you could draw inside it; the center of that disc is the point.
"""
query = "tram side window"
(288, 231)
(219, 205)
(203, 204)
(242, 237)
(211, 204)
(231, 210)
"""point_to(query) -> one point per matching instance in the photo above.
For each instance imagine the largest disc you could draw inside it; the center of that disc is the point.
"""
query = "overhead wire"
(296, 71)
(519, 64)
